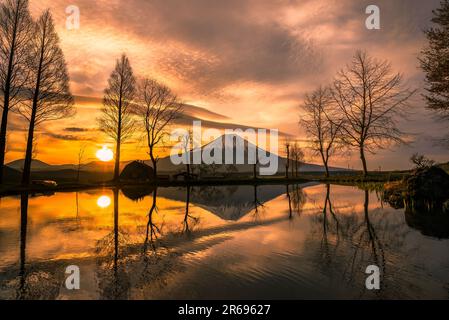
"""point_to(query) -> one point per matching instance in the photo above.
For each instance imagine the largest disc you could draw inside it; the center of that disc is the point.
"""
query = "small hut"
(137, 171)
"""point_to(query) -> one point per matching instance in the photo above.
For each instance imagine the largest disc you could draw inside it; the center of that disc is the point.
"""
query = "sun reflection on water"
(104, 202)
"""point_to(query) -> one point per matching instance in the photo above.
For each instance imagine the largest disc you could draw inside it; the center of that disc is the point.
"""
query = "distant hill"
(37, 165)
(166, 165)
(11, 175)
(95, 171)
(239, 199)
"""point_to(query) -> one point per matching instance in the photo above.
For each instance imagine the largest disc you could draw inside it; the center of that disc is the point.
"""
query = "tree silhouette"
(287, 164)
(158, 108)
(81, 152)
(152, 230)
(15, 37)
(435, 64)
(321, 130)
(420, 161)
(113, 278)
(116, 119)
(369, 99)
(187, 145)
(49, 96)
(21, 290)
(187, 227)
(297, 156)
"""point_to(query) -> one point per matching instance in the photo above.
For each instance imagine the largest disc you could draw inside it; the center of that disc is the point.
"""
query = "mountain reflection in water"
(296, 241)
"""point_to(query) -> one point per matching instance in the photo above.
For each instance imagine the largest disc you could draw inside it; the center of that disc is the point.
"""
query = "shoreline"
(9, 190)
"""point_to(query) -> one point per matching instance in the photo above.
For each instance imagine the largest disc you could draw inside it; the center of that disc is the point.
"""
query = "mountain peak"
(35, 164)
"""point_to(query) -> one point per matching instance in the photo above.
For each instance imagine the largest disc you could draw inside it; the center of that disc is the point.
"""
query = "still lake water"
(236, 242)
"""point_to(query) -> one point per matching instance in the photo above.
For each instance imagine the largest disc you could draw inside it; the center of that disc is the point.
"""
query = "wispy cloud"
(241, 61)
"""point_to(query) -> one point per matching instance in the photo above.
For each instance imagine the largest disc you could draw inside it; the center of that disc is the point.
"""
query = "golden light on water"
(104, 202)
(105, 154)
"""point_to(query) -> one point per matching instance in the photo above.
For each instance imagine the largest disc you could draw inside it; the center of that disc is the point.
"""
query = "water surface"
(236, 242)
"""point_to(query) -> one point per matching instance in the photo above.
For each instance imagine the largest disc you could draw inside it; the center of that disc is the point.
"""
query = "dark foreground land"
(68, 180)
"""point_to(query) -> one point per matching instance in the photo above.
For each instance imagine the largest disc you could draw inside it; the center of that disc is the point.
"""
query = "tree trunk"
(78, 173)
(362, 157)
(290, 215)
(256, 200)
(296, 169)
(154, 162)
(326, 166)
(117, 147)
(293, 169)
(6, 97)
(3, 135)
(186, 216)
(117, 161)
(29, 151)
(116, 233)
(23, 241)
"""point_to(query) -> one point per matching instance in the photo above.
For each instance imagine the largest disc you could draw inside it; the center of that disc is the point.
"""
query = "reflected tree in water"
(257, 205)
(214, 194)
(112, 274)
(352, 241)
(152, 230)
(296, 200)
(154, 266)
(368, 247)
(330, 226)
(328, 207)
(34, 280)
(23, 237)
(187, 227)
(290, 216)
(77, 217)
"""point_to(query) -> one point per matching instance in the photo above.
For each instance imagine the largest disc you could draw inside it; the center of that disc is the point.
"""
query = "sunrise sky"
(247, 62)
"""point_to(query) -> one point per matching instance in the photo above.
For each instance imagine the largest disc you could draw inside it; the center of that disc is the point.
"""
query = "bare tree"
(370, 99)
(297, 156)
(322, 132)
(435, 64)
(7, 148)
(116, 120)
(49, 97)
(187, 144)
(158, 108)
(15, 36)
(287, 164)
(81, 152)
(35, 147)
(420, 161)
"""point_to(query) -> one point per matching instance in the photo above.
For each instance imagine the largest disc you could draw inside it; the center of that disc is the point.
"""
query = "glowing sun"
(105, 154)
(104, 202)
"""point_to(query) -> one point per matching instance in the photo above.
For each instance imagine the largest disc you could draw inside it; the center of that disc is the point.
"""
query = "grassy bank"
(351, 179)
(359, 178)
